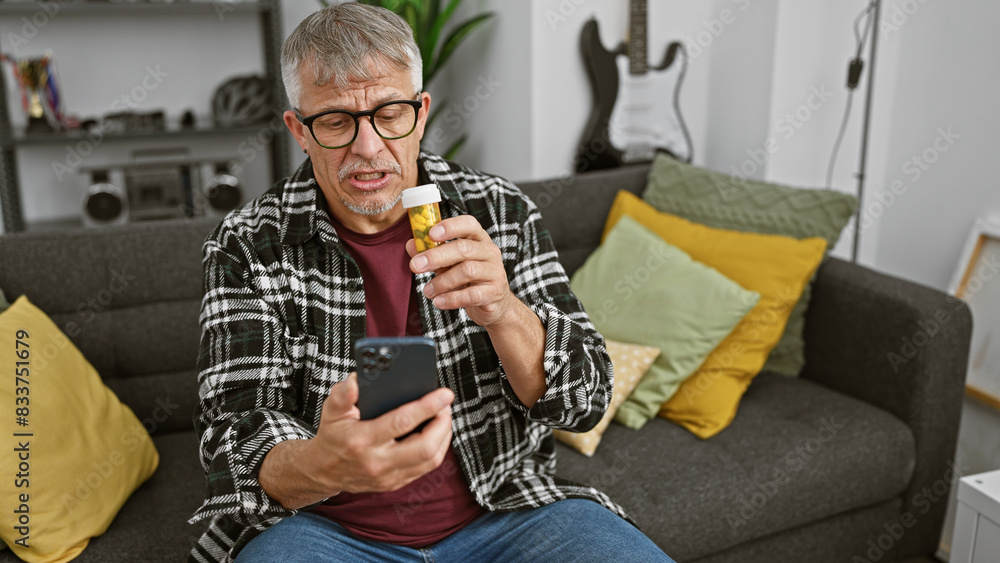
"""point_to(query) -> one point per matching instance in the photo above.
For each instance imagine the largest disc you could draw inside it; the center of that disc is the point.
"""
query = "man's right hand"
(354, 455)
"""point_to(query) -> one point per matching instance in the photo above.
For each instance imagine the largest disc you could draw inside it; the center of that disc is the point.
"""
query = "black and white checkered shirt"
(284, 303)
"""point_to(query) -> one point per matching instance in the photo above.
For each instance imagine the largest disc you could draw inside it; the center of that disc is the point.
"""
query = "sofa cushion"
(725, 202)
(630, 362)
(638, 288)
(128, 297)
(784, 462)
(77, 451)
(776, 267)
(574, 208)
(163, 402)
(152, 526)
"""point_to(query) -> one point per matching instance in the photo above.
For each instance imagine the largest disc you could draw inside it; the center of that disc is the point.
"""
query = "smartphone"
(393, 372)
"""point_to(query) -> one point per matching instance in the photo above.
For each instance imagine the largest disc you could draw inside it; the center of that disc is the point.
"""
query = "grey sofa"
(844, 463)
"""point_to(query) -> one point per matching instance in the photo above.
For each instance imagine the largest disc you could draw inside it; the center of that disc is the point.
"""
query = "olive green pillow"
(725, 202)
(638, 288)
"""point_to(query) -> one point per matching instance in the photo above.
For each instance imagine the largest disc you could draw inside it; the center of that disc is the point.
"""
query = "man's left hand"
(469, 271)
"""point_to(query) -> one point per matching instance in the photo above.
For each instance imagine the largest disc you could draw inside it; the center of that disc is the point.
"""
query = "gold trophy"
(34, 74)
(39, 95)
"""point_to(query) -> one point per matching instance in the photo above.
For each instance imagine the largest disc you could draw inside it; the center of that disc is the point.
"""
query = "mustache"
(366, 164)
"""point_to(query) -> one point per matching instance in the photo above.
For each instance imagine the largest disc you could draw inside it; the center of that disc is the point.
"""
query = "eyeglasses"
(335, 129)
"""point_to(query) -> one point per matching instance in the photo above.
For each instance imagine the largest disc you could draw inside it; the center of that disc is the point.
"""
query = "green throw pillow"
(638, 288)
(725, 202)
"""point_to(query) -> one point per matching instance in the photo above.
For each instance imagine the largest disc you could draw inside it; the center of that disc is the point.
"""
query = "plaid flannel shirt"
(284, 303)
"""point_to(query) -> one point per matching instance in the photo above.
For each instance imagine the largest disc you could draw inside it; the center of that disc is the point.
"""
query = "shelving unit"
(11, 141)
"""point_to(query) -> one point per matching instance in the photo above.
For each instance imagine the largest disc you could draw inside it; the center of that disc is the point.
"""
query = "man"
(326, 257)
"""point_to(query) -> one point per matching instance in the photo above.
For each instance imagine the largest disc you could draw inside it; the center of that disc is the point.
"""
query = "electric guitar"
(635, 111)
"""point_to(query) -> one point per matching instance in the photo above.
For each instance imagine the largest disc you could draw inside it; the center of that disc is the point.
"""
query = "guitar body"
(645, 118)
(635, 113)
(596, 151)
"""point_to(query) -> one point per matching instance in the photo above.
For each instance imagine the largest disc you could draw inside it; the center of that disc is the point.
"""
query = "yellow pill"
(422, 207)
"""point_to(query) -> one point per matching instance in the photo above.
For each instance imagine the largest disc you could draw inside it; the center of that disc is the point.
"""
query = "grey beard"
(371, 208)
(377, 164)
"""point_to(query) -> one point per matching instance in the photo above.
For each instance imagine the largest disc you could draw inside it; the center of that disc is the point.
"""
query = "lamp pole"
(866, 127)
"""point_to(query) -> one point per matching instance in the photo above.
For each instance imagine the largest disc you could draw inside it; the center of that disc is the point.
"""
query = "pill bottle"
(421, 204)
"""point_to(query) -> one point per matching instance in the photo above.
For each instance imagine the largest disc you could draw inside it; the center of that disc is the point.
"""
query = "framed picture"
(977, 282)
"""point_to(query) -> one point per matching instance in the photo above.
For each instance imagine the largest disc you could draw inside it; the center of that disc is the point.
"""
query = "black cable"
(840, 139)
(861, 40)
(853, 77)
(865, 130)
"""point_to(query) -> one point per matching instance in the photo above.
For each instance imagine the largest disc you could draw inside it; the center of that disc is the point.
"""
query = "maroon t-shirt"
(439, 503)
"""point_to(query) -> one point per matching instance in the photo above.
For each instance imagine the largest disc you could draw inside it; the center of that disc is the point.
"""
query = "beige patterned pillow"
(630, 362)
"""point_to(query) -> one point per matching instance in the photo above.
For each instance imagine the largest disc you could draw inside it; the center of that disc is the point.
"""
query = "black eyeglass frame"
(370, 114)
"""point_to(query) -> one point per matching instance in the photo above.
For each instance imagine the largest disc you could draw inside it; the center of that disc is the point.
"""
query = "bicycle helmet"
(241, 101)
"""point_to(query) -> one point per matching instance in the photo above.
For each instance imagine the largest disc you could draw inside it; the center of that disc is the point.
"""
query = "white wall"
(950, 82)
(485, 92)
(740, 86)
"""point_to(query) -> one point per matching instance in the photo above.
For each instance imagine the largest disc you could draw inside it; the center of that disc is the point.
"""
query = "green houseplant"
(428, 20)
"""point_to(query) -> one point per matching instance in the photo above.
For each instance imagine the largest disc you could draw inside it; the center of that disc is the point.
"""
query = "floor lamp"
(876, 6)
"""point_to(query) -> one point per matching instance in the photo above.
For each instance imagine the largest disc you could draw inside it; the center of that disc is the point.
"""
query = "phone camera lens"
(384, 362)
(368, 352)
(368, 365)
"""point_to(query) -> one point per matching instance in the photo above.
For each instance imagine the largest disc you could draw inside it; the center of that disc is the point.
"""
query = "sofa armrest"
(904, 348)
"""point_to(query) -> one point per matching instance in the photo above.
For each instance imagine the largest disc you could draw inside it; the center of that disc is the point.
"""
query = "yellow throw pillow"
(72, 453)
(630, 362)
(777, 267)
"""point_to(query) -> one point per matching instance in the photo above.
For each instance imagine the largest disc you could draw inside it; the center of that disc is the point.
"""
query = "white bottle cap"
(421, 195)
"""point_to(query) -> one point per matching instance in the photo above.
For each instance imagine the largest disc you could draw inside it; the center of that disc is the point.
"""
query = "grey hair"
(349, 41)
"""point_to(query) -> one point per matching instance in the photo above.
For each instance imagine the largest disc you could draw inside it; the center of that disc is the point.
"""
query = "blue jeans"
(568, 530)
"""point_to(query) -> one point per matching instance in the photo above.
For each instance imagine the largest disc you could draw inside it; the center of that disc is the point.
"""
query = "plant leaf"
(429, 13)
(439, 22)
(456, 37)
(410, 13)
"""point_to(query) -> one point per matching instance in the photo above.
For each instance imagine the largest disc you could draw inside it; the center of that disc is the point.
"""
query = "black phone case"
(393, 372)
